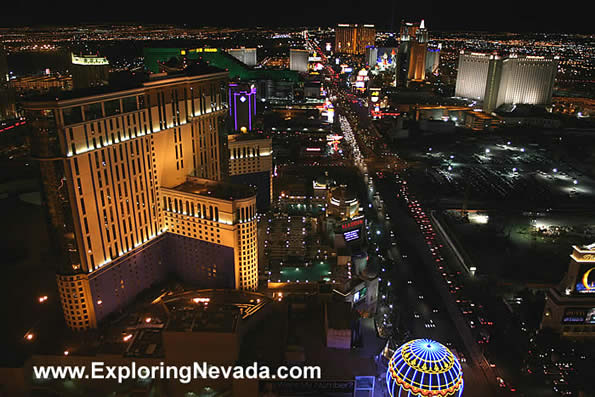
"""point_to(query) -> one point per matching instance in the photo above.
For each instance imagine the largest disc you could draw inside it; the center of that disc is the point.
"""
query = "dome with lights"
(424, 368)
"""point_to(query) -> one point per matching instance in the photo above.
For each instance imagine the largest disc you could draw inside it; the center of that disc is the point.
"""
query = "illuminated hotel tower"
(433, 59)
(472, 74)
(513, 80)
(527, 79)
(417, 54)
(89, 71)
(406, 32)
(245, 55)
(251, 163)
(298, 60)
(353, 39)
(130, 186)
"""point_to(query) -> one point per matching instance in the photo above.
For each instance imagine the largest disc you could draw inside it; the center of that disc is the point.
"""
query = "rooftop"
(247, 137)
(523, 110)
(220, 190)
(154, 57)
(138, 332)
(122, 81)
(211, 310)
(340, 315)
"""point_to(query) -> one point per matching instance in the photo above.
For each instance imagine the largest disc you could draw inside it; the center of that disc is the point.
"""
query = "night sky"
(481, 15)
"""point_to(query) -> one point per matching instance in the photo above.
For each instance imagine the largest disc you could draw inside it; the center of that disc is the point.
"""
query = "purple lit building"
(242, 105)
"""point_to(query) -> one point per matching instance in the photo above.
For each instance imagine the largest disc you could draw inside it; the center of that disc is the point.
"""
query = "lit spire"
(422, 25)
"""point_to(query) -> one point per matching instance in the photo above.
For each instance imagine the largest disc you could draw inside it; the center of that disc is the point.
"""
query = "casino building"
(570, 307)
(131, 184)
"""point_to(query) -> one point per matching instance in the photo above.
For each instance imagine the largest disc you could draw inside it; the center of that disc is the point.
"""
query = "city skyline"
(504, 16)
(377, 206)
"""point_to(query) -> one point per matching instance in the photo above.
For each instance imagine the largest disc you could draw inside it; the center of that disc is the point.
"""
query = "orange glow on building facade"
(417, 55)
(353, 39)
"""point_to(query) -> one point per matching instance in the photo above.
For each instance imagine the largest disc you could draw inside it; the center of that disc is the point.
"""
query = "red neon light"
(12, 126)
(351, 224)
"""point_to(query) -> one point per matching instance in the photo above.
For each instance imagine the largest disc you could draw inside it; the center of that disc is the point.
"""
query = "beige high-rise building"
(131, 184)
(527, 80)
(298, 60)
(251, 162)
(89, 71)
(245, 55)
(473, 74)
(511, 80)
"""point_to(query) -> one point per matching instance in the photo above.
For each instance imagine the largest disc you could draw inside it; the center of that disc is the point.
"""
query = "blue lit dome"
(425, 368)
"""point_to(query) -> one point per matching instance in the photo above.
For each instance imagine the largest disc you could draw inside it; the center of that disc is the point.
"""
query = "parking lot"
(498, 171)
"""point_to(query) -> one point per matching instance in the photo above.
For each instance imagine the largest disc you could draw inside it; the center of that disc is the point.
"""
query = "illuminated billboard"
(580, 315)
(351, 235)
(359, 295)
(352, 229)
(352, 224)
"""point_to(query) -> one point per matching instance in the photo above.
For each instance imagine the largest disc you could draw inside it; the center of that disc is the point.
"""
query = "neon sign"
(352, 224)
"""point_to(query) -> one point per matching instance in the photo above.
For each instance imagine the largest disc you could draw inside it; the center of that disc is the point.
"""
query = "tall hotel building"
(433, 59)
(353, 39)
(417, 54)
(413, 48)
(407, 31)
(89, 71)
(472, 75)
(527, 79)
(512, 80)
(251, 163)
(298, 60)
(245, 55)
(131, 185)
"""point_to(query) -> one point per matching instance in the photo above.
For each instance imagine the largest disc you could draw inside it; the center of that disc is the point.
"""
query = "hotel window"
(129, 104)
(92, 111)
(72, 115)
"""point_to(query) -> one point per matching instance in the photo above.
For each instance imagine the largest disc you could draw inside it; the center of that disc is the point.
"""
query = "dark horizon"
(504, 16)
